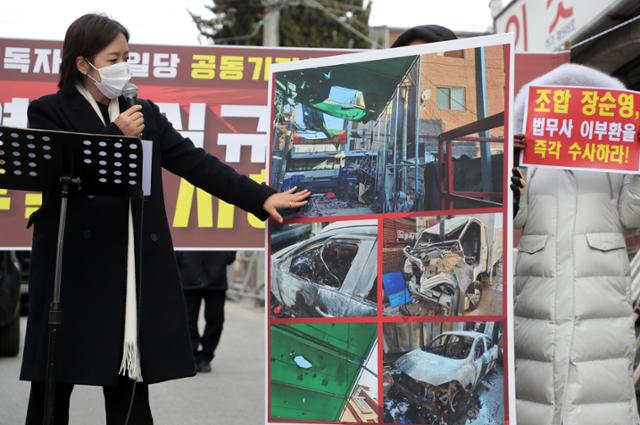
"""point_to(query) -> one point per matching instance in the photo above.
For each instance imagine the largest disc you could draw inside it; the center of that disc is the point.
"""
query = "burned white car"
(440, 379)
(450, 262)
(333, 274)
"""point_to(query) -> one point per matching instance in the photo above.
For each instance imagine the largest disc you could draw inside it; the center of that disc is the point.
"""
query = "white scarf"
(130, 365)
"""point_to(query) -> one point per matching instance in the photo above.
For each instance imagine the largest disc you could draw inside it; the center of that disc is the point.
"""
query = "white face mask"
(113, 78)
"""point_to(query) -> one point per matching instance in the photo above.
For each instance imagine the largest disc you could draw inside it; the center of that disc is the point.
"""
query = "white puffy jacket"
(574, 331)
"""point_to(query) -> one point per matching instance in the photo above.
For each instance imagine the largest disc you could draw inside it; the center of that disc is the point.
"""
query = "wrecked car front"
(433, 271)
(431, 380)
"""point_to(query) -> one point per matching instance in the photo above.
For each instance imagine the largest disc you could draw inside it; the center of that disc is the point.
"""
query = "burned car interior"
(327, 264)
(331, 274)
(453, 346)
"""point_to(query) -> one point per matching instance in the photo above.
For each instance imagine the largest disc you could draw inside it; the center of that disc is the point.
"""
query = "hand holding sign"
(519, 142)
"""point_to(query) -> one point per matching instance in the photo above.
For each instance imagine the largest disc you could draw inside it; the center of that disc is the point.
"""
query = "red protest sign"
(582, 128)
(215, 95)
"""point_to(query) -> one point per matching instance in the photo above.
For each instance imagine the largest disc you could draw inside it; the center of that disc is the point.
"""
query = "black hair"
(85, 37)
(425, 33)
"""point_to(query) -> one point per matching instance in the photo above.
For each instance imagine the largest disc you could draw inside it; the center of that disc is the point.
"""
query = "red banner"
(528, 66)
(216, 96)
(582, 128)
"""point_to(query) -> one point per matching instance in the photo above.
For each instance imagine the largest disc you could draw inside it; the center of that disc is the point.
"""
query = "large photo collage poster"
(388, 293)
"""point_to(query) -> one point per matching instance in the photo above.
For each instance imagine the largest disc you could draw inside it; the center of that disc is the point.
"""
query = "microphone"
(130, 94)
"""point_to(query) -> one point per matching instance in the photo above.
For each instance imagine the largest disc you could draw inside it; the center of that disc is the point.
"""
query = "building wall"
(426, 222)
(441, 70)
(390, 230)
(354, 413)
(392, 256)
(438, 70)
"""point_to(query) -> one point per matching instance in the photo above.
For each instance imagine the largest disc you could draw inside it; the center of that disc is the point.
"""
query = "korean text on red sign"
(582, 128)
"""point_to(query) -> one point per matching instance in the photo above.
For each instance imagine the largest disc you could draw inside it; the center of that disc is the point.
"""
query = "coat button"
(153, 237)
(86, 234)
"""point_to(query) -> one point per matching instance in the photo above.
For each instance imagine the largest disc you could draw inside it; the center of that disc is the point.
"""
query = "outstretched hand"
(288, 199)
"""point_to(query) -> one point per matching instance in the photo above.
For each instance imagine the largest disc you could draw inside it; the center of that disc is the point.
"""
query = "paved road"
(232, 394)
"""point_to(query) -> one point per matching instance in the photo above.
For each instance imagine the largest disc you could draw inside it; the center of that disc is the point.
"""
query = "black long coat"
(95, 256)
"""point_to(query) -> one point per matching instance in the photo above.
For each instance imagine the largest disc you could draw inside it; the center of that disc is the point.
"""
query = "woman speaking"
(101, 342)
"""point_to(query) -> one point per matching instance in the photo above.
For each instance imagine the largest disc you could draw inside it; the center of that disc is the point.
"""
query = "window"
(305, 264)
(454, 54)
(373, 292)
(428, 239)
(312, 164)
(451, 98)
(362, 405)
(479, 348)
(489, 343)
(437, 344)
(471, 243)
(452, 346)
(326, 264)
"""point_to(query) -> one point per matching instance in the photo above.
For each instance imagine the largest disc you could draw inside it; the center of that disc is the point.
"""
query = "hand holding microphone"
(131, 121)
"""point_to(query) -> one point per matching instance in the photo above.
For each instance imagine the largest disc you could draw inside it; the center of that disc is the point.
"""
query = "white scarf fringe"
(130, 365)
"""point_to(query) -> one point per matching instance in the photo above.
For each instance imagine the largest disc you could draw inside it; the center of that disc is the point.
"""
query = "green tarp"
(346, 112)
(314, 368)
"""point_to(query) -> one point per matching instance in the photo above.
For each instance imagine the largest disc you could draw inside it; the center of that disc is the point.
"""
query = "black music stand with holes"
(46, 160)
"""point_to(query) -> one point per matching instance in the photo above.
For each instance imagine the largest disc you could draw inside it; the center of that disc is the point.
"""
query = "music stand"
(47, 160)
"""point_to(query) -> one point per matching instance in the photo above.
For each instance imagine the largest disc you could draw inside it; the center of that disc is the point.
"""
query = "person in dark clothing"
(424, 34)
(204, 278)
(102, 341)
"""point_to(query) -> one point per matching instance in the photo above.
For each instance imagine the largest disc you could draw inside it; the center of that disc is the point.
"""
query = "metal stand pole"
(55, 308)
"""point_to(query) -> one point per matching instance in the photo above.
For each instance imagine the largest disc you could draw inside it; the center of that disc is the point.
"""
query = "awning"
(377, 80)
